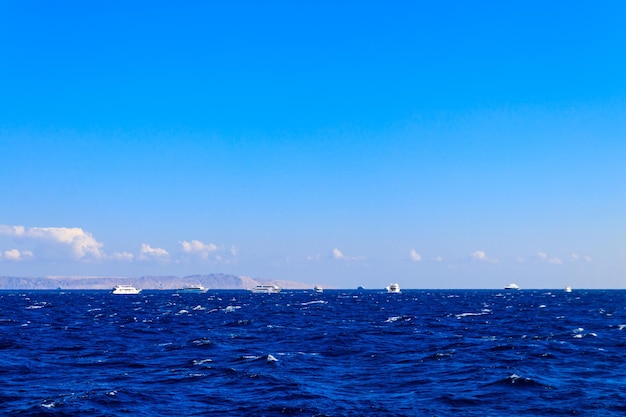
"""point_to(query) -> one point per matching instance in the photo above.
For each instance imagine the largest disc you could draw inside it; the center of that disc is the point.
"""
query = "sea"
(302, 353)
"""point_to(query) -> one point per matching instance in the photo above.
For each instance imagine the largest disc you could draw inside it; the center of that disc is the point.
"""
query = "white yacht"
(266, 289)
(512, 286)
(393, 288)
(192, 289)
(125, 290)
(318, 288)
(568, 289)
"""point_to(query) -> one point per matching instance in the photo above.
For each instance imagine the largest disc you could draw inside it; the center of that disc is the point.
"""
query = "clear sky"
(440, 144)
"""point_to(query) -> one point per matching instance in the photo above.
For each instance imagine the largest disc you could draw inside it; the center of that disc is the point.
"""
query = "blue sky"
(434, 144)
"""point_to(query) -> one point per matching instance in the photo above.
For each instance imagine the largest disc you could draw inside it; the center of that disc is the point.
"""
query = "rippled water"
(338, 353)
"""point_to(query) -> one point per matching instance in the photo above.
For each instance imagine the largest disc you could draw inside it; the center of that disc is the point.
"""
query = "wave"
(517, 381)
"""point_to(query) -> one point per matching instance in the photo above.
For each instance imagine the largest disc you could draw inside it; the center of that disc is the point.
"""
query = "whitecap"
(271, 358)
(315, 302)
(202, 342)
(392, 319)
(458, 316)
(230, 309)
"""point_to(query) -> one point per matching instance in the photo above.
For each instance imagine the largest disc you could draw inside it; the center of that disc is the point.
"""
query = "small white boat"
(125, 290)
(318, 288)
(568, 289)
(192, 289)
(512, 286)
(393, 289)
(266, 289)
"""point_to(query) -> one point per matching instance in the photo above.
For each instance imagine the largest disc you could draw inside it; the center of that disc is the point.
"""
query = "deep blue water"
(339, 353)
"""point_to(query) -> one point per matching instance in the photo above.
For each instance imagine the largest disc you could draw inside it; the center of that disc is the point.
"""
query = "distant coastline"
(147, 282)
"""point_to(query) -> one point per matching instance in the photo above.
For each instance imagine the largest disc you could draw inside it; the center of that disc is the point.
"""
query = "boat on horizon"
(318, 288)
(393, 288)
(192, 289)
(512, 286)
(568, 289)
(125, 290)
(266, 289)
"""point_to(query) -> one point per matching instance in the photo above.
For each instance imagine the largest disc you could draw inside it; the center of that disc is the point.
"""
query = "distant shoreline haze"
(214, 281)
(147, 282)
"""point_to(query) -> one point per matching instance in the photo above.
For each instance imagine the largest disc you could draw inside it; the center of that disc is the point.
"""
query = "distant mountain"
(157, 282)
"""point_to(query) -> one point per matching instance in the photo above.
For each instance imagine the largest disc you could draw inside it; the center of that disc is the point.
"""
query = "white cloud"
(415, 257)
(195, 247)
(12, 254)
(82, 244)
(11, 230)
(17, 255)
(148, 252)
(122, 256)
(65, 243)
(574, 257)
(551, 260)
(480, 255)
(337, 254)
(79, 243)
(437, 259)
(197, 250)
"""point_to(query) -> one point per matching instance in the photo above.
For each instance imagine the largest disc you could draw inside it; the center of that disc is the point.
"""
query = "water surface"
(300, 353)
